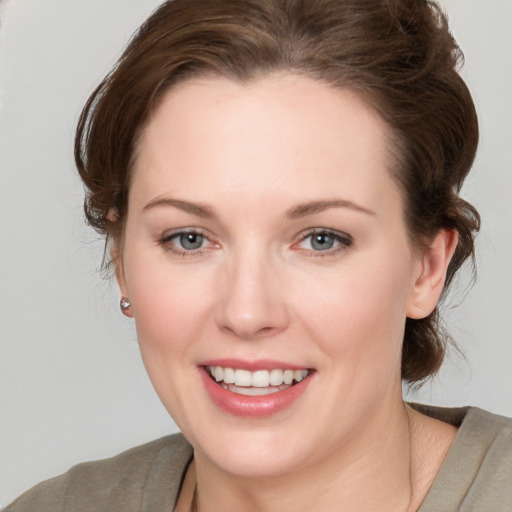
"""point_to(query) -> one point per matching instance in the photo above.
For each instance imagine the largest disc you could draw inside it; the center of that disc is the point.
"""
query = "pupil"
(322, 242)
(191, 241)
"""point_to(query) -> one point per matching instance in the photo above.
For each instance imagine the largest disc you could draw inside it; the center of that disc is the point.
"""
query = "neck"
(374, 471)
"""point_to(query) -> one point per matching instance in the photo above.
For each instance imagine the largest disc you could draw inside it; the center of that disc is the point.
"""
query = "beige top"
(476, 475)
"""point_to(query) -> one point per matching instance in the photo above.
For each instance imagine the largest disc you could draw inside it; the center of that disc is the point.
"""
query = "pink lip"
(252, 406)
(252, 366)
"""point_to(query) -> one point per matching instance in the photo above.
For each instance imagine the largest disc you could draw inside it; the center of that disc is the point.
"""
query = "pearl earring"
(125, 304)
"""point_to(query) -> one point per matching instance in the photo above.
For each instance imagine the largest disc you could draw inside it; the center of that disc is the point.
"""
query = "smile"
(245, 389)
(256, 383)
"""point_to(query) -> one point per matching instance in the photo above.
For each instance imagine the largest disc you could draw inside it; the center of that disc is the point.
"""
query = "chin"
(254, 454)
(264, 465)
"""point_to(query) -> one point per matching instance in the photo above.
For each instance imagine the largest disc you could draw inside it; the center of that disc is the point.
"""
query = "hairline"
(394, 141)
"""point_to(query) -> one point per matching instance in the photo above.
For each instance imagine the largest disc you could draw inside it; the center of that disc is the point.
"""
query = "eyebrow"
(199, 209)
(296, 212)
(312, 207)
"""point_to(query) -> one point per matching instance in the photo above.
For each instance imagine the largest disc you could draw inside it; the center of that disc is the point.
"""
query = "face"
(265, 244)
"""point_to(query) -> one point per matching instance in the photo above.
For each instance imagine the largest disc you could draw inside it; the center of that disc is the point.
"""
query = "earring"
(125, 304)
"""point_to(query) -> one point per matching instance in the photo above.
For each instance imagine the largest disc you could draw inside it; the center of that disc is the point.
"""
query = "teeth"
(229, 375)
(276, 377)
(242, 377)
(258, 379)
(252, 391)
(300, 374)
(288, 376)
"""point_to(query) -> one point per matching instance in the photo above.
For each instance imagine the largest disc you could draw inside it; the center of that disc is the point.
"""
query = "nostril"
(248, 334)
(250, 306)
(265, 331)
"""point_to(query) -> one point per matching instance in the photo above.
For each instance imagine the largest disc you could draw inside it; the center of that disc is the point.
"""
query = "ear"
(115, 256)
(431, 274)
(117, 261)
(115, 253)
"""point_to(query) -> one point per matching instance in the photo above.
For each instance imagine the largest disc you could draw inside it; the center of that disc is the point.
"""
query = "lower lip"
(252, 406)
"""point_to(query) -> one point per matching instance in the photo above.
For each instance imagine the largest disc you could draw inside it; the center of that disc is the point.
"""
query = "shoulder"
(485, 443)
(477, 472)
(480, 432)
(144, 478)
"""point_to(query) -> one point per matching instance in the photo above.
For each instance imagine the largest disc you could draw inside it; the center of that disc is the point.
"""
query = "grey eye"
(325, 241)
(322, 241)
(191, 241)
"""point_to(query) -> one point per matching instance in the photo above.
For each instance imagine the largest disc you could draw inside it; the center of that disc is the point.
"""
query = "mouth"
(256, 383)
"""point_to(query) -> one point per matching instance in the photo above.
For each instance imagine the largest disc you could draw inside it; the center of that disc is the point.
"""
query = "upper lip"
(252, 365)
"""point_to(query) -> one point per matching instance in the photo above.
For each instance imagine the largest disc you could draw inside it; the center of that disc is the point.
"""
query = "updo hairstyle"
(396, 55)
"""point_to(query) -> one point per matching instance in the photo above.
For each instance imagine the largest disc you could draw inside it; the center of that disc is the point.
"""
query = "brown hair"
(398, 55)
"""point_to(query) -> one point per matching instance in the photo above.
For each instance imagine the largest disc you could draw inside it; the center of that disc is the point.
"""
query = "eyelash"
(166, 242)
(344, 241)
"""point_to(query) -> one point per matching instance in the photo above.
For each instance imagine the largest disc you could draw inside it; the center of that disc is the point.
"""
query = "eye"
(186, 242)
(324, 241)
(189, 241)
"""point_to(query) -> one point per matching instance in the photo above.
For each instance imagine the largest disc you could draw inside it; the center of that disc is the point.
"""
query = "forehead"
(286, 133)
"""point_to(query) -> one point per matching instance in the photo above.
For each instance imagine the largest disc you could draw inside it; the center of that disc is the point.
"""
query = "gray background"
(72, 385)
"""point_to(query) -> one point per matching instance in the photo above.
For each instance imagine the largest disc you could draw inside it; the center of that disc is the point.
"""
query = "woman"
(277, 182)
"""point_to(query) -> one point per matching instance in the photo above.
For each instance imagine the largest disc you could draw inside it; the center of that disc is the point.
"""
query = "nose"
(252, 302)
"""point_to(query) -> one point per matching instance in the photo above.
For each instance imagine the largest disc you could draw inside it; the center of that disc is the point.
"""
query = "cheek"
(360, 311)
(170, 304)
(171, 316)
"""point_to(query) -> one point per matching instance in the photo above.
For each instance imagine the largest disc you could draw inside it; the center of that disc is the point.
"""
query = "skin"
(258, 289)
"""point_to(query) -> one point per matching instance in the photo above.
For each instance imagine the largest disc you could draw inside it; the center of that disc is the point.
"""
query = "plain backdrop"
(73, 387)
